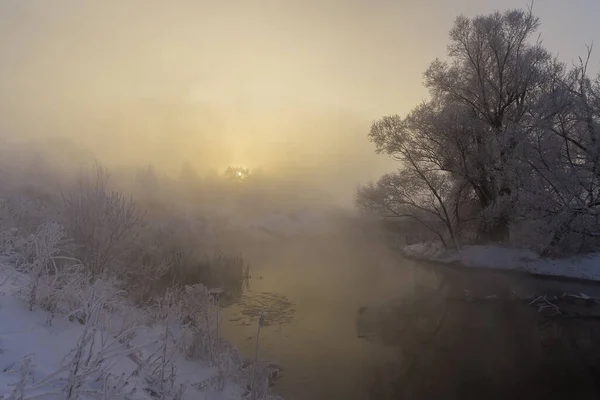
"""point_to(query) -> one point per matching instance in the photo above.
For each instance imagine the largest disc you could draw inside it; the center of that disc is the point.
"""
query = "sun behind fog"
(237, 173)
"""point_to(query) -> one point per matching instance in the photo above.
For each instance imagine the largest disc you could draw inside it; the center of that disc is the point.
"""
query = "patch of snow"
(498, 257)
(583, 267)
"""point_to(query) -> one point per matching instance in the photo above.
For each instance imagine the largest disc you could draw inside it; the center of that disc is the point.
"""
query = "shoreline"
(539, 268)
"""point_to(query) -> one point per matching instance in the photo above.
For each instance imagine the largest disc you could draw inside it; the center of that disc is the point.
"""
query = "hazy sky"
(264, 83)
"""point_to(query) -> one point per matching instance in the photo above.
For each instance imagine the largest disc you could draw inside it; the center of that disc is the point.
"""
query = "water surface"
(311, 290)
(474, 338)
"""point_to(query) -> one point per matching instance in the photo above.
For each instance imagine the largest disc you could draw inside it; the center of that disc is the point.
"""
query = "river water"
(311, 291)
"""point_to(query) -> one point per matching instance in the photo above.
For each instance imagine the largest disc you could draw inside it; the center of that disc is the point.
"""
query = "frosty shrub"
(26, 210)
(55, 281)
(37, 256)
(200, 313)
(167, 253)
(151, 259)
(192, 312)
(101, 221)
(214, 270)
(160, 363)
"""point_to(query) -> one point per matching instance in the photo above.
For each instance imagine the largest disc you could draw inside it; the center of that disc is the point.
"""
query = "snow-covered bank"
(507, 258)
(50, 357)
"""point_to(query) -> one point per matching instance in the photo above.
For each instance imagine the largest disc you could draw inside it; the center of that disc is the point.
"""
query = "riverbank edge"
(537, 267)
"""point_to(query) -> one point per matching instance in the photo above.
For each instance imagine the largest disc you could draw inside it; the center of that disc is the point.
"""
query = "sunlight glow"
(177, 84)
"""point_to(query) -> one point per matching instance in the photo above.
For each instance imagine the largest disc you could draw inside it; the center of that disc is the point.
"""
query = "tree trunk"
(500, 230)
(495, 232)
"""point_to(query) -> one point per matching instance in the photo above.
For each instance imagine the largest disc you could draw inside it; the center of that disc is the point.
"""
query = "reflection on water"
(311, 291)
(450, 334)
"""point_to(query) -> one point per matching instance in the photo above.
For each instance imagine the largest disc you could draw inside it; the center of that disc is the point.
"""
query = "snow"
(27, 334)
(509, 258)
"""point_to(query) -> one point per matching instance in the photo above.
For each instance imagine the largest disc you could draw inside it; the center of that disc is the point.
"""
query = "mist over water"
(312, 330)
(168, 95)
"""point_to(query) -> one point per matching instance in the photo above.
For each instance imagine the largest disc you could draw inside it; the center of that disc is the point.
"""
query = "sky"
(288, 86)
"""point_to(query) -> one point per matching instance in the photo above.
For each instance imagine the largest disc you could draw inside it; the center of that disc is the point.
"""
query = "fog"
(145, 82)
(289, 87)
(169, 94)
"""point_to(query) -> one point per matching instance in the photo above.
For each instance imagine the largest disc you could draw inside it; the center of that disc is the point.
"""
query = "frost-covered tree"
(420, 191)
(564, 156)
(466, 143)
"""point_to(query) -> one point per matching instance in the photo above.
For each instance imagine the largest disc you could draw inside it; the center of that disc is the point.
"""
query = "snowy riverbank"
(507, 258)
(118, 352)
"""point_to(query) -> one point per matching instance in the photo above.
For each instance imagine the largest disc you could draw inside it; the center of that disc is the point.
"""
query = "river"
(311, 291)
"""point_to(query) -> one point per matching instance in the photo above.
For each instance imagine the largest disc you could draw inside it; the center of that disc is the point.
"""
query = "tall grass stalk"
(261, 321)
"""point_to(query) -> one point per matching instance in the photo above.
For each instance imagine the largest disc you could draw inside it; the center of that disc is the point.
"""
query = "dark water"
(312, 291)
